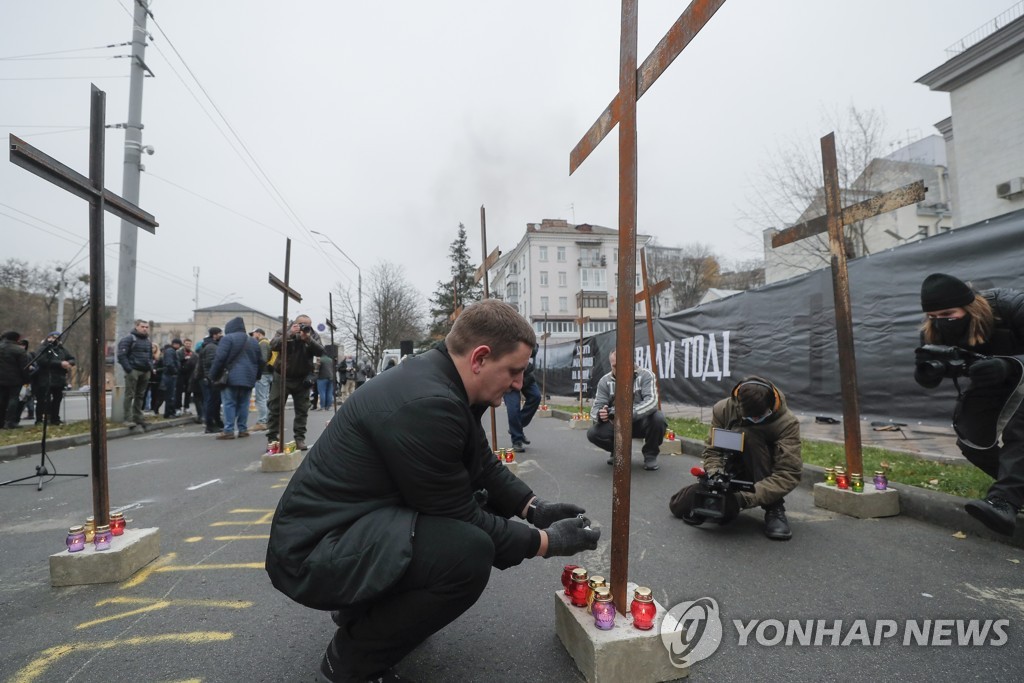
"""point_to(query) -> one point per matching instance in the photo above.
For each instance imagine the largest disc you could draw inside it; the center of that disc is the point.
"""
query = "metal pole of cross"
(288, 293)
(482, 273)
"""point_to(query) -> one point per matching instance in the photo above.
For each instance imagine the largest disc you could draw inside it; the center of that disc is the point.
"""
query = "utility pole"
(130, 191)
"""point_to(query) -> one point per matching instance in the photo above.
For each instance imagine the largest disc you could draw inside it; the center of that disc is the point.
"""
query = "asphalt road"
(206, 610)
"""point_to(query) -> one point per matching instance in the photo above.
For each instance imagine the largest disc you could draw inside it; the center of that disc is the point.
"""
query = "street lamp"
(359, 314)
(60, 287)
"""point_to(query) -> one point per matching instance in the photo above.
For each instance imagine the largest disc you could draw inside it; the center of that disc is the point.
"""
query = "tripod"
(41, 470)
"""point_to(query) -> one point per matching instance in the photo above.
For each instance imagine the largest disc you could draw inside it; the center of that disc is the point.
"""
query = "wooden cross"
(647, 295)
(833, 221)
(456, 308)
(633, 83)
(544, 372)
(100, 200)
(333, 327)
(288, 293)
(487, 295)
(581, 321)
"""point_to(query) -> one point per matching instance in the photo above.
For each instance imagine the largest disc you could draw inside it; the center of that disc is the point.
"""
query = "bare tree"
(693, 269)
(789, 189)
(392, 311)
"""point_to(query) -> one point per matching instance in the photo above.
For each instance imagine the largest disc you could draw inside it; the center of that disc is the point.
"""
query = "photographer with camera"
(648, 421)
(770, 460)
(303, 347)
(966, 333)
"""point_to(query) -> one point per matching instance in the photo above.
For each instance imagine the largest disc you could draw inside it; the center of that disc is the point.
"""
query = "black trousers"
(650, 427)
(450, 567)
(9, 412)
(48, 400)
(1005, 464)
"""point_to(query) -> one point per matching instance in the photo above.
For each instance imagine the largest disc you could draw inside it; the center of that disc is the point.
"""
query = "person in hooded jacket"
(240, 355)
(381, 522)
(990, 323)
(770, 458)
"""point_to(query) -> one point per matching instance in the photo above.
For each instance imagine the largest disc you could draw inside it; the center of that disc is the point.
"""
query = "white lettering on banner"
(576, 374)
(926, 632)
(701, 361)
(576, 388)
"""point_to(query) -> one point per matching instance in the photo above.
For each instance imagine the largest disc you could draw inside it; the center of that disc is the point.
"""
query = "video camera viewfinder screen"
(726, 439)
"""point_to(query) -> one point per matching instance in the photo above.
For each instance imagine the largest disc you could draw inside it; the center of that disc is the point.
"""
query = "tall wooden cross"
(482, 273)
(833, 221)
(544, 371)
(288, 293)
(633, 83)
(333, 327)
(100, 200)
(581, 321)
(647, 295)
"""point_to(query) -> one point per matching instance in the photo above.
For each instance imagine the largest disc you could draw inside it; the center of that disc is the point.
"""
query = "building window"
(561, 254)
(543, 304)
(543, 278)
(593, 278)
(542, 254)
(563, 304)
(593, 300)
(561, 278)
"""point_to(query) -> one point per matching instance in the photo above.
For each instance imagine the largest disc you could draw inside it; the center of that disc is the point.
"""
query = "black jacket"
(1007, 338)
(135, 352)
(405, 444)
(300, 355)
(14, 362)
(48, 359)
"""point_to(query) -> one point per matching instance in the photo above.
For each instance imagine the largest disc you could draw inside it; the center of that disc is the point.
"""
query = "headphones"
(776, 399)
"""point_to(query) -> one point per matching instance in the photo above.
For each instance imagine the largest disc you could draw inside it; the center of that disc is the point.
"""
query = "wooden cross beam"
(633, 83)
(100, 201)
(288, 293)
(488, 263)
(647, 295)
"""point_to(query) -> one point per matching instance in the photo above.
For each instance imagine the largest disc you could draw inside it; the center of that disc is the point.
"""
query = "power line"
(61, 52)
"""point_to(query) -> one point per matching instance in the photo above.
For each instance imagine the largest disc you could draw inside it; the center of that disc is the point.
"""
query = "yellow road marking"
(243, 537)
(143, 574)
(240, 511)
(201, 567)
(193, 539)
(37, 667)
(152, 604)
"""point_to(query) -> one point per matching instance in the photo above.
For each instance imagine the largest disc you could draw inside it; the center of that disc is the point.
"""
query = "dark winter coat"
(207, 352)
(14, 362)
(1007, 338)
(300, 355)
(240, 354)
(48, 359)
(135, 352)
(408, 443)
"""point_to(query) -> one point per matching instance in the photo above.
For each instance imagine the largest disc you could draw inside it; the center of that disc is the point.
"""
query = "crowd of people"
(33, 382)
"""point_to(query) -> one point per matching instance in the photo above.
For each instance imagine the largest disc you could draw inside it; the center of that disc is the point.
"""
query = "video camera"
(709, 500)
(935, 361)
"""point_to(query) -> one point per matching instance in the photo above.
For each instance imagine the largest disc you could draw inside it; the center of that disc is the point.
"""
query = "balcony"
(591, 262)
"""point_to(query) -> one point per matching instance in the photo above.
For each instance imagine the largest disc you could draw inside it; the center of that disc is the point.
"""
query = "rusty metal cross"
(633, 83)
(482, 272)
(288, 293)
(100, 200)
(833, 221)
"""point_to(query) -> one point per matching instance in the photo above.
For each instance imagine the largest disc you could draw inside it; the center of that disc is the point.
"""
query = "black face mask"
(953, 331)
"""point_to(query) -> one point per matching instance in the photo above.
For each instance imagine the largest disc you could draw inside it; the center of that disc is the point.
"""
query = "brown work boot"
(225, 436)
(242, 434)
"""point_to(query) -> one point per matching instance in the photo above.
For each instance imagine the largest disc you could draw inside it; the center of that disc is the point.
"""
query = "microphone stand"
(41, 469)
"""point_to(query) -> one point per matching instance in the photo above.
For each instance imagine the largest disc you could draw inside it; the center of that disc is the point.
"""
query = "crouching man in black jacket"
(380, 523)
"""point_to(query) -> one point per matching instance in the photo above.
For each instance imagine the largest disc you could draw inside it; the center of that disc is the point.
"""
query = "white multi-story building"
(985, 133)
(560, 272)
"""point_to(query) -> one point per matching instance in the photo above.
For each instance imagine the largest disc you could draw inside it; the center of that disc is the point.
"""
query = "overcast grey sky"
(386, 124)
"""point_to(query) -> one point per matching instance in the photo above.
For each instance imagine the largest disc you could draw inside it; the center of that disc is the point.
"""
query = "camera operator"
(49, 382)
(303, 346)
(990, 323)
(770, 458)
(648, 421)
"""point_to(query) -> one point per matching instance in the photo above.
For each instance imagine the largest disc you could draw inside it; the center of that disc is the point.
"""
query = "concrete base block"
(281, 462)
(621, 654)
(580, 424)
(871, 503)
(674, 447)
(513, 467)
(127, 554)
(542, 413)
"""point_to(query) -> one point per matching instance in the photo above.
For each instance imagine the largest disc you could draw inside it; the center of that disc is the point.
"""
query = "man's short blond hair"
(492, 323)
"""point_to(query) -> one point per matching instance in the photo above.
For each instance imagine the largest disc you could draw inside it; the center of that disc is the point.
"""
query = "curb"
(932, 507)
(24, 450)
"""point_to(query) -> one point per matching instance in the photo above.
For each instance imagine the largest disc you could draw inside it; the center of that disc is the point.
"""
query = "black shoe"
(693, 520)
(301, 444)
(997, 514)
(651, 463)
(518, 447)
(525, 440)
(776, 526)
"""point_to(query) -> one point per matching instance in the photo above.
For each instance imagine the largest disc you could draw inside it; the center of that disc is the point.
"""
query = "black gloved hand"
(569, 536)
(988, 372)
(543, 514)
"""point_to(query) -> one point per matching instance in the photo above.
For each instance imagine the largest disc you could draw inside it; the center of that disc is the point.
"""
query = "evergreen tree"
(457, 290)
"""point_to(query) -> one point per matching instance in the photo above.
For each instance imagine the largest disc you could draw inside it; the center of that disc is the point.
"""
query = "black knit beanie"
(940, 291)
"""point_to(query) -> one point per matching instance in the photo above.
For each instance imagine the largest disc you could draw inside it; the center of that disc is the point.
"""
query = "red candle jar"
(643, 609)
(567, 576)
(117, 523)
(579, 588)
(842, 479)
